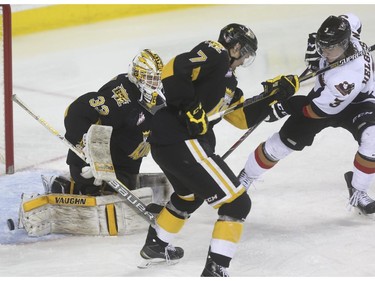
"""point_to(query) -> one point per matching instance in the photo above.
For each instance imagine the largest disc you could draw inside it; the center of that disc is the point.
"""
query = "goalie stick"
(263, 95)
(132, 200)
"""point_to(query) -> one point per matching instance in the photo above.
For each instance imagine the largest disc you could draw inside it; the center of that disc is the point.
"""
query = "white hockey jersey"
(352, 82)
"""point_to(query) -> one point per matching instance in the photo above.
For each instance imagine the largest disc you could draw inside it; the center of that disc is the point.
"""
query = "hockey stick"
(245, 135)
(251, 129)
(263, 95)
(132, 201)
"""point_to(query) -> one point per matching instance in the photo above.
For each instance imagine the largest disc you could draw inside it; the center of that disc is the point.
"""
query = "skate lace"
(361, 198)
(247, 181)
(224, 271)
(166, 252)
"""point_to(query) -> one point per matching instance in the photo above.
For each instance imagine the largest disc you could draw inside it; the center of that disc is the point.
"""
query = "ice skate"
(359, 199)
(212, 269)
(245, 180)
(155, 254)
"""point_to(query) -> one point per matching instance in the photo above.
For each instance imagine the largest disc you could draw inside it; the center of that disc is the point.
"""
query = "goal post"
(6, 87)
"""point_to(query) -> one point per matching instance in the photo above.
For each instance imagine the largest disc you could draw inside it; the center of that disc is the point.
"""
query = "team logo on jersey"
(141, 118)
(120, 95)
(216, 45)
(345, 88)
(143, 148)
(224, 102)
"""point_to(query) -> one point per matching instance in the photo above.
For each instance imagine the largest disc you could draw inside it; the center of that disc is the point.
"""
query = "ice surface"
(299, 224)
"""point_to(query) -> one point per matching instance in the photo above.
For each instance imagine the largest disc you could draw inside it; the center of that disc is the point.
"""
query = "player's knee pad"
(367, 144)
(275, 149)
(184, 206)
(237, 209)
(296, 143)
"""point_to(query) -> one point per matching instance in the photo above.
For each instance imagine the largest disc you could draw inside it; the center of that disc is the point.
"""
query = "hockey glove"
(87, 173)
(196, 119)
(281, 87)
(312, 56)
(277, 112)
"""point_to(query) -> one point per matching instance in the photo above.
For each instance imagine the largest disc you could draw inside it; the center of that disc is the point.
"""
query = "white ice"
(299, 224)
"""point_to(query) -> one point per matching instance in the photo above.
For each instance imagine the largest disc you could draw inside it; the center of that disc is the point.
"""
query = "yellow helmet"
(145, 72)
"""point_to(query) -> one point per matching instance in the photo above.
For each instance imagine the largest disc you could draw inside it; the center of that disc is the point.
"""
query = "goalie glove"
(196, 119)
(277, 112)
(281, 87)
(312, 56)
(87, 173)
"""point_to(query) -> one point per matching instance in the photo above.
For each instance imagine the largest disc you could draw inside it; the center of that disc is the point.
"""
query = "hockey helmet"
(355, 24)
(235, 33)
(145, 72)
(334, 31)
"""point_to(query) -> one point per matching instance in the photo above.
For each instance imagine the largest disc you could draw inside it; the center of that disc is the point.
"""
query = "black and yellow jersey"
(114, 104)
(201, 75)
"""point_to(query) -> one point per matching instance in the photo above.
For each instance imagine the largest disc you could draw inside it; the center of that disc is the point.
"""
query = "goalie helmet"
(334, 31)
(235, 33)
(145, 72)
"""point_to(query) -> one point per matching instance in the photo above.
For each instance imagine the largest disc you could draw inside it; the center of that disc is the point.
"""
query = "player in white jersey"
(341, 97)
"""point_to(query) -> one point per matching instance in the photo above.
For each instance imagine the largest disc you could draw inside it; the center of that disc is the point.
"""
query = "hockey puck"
(10, 224)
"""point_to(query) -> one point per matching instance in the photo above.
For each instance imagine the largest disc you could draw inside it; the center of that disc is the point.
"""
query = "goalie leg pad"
(81, 215)
(58, 184)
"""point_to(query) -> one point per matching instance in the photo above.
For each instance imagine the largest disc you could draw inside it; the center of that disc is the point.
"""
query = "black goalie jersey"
(115, 104)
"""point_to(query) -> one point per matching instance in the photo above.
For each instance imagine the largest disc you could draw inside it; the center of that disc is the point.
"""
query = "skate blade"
(359, 213)
(155, 262)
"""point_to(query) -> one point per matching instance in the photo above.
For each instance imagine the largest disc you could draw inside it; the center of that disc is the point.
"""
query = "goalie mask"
(145, 73)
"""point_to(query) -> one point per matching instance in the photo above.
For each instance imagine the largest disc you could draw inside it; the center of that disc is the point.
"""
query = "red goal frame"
(8, 89)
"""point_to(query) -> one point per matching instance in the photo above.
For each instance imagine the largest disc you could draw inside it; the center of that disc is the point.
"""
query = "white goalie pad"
(81, 215)
(98, 153)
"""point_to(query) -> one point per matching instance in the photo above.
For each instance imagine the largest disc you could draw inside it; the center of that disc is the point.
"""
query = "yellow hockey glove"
(196, 120)
(281, 87)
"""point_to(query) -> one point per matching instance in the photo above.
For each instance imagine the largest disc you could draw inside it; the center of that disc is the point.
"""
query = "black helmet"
(333, 31)
(235, 33)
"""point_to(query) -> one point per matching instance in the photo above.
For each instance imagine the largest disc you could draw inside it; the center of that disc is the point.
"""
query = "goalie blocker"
(108, 215)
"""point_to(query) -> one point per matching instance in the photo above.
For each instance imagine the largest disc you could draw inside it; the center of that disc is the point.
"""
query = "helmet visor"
(249, 54)
(332, 51)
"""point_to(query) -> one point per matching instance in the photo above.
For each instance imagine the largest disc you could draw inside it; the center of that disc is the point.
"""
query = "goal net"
(6, 112)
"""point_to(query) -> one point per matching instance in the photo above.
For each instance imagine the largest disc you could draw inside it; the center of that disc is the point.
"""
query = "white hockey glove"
(312, 56)
(276, 113)
(88, 174)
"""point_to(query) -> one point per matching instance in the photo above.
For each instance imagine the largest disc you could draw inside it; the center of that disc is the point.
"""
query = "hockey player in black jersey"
(197, 84)
(127, 103)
